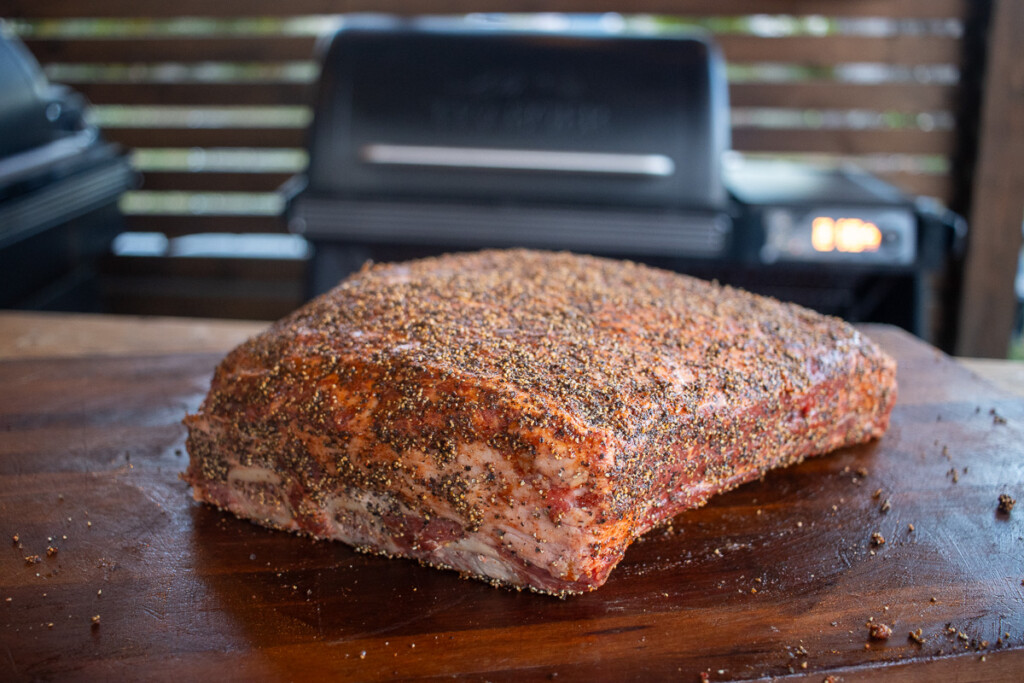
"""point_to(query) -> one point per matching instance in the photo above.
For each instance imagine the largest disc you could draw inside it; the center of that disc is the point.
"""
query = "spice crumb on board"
(997, 419)
(32, 559)
(1006, 503)
(15, 538)
(879, 631)
(916, 636)
(886, 506)
(877, 539)
(910, 527)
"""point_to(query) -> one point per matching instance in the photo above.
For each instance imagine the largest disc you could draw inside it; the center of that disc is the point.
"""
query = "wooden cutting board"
(779, 576)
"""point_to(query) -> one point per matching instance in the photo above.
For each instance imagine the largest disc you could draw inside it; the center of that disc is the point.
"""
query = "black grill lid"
(428, 111)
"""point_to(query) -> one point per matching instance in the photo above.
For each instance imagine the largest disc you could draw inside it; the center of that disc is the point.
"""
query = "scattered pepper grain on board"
(1006, 503)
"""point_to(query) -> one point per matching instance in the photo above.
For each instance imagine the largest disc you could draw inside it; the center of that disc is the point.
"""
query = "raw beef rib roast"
(522, 417)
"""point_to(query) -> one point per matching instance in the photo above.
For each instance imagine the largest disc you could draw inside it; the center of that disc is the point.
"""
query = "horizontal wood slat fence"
(928, 9)
(178, 79)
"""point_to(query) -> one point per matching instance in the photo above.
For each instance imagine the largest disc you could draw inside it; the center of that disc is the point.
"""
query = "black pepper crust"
(663, 388)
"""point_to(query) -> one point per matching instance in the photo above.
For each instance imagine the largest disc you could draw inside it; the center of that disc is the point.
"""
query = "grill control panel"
(835, 234)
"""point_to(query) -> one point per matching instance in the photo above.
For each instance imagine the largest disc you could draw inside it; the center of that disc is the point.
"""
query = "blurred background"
(211, 103)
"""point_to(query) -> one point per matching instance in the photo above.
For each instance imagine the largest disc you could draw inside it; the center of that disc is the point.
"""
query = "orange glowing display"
(851, 235)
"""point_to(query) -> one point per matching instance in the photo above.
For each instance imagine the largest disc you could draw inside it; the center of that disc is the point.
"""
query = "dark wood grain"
(214, 181)
(842, 140)
(239, 288)
(840, 49)
(901, 97)
(258, 93)
(189, 593)
(929, 184)
(184, 49)
(989, 299)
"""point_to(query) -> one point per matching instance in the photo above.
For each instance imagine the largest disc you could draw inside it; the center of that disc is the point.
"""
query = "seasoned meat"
(522, 417)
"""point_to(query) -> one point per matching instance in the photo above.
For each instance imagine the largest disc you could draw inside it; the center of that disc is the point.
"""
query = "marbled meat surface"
(522, 417)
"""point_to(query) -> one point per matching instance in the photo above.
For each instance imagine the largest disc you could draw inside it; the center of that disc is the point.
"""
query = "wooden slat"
(831, 50)
(818, 50)
(207, 137)
(203, 299)
(748, 139)
(209, 94)
(838, 141)
(910, 97)
(261, 269)
(186, 181)
(241, 288)
(843, 141)
(930, 185)
(988, 299)
(276, 8)
(174, 225)
(172, 49)
(913, 97)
